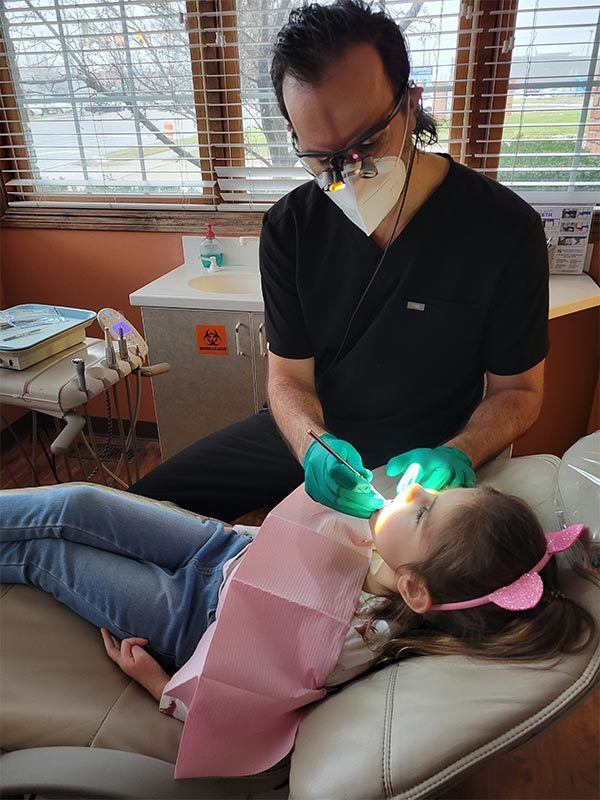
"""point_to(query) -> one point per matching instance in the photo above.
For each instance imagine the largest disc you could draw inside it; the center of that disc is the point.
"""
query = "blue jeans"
(135, 566)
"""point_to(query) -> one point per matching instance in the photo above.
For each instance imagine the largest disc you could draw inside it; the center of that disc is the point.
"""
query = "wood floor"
(560, 764)
(16, 471)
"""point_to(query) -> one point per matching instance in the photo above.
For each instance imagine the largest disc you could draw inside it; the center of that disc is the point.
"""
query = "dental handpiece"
(80, 370)
(122, 342)
(109, 353)
(343, 461)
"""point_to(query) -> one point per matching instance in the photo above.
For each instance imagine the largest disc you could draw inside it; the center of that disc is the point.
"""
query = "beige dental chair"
(74, 726)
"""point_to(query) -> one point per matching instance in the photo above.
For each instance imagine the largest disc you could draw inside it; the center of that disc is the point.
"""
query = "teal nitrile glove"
(331, 483)
(440, 467)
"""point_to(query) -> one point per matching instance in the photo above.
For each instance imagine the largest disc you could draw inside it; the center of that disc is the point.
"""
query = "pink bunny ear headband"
(526, 592)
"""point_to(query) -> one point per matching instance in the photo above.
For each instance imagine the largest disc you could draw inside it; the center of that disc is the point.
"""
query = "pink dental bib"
(281, 621)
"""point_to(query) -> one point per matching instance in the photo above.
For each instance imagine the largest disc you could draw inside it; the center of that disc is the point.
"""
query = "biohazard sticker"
(212, 340)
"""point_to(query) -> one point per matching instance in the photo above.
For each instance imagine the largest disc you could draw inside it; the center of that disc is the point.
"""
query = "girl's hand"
(136, 662)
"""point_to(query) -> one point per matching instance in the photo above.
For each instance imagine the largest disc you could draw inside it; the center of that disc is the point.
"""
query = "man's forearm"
(497, 422)
(295, 408)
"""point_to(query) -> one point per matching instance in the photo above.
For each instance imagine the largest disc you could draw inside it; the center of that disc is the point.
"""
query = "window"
(551, 131)
(104, 102)
(169, 102)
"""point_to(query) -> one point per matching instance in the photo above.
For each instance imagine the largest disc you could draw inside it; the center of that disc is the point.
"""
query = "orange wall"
(92, 269)
(86, 269)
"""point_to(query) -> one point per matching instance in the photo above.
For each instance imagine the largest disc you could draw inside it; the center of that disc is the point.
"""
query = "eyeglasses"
(330, 167)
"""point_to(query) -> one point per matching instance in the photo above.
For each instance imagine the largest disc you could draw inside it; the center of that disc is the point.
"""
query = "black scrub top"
(462, 290)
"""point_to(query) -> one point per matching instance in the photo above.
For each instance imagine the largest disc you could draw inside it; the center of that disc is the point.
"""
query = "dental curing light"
(407, 480)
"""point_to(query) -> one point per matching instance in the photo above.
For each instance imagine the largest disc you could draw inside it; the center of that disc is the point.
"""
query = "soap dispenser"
(211, 250)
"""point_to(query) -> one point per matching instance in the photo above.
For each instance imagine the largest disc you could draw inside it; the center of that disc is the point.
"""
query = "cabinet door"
(259, 340)
(211, 381)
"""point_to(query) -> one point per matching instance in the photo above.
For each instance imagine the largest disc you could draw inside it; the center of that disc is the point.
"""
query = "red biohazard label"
(212, 340)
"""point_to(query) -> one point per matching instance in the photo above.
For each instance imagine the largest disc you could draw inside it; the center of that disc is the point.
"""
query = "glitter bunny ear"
(562, 540)
(524, 593)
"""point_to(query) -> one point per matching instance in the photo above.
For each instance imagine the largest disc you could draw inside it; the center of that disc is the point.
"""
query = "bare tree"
(104, 57)
(133, 59)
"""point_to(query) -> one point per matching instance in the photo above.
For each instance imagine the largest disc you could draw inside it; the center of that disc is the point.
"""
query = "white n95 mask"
(368, 201)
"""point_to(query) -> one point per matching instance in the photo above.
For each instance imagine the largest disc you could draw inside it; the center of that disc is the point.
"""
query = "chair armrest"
(95, 772)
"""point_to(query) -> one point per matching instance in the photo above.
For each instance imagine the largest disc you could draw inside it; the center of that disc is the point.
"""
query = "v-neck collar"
(431, 197)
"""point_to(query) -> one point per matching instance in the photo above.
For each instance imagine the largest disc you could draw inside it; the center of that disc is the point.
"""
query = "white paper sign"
(567, 231)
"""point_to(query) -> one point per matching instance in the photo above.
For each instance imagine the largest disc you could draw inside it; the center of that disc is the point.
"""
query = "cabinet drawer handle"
(238, 349)
(262, 339)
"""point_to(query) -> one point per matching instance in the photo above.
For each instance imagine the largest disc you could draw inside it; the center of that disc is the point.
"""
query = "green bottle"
(211, 248)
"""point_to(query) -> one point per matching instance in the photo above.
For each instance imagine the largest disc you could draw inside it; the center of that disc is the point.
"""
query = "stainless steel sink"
(227, 283)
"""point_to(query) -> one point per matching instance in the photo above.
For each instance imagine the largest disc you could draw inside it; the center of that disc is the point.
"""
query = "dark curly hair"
(316, 35)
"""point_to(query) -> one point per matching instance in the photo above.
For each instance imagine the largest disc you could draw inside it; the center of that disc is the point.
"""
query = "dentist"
(406, 295)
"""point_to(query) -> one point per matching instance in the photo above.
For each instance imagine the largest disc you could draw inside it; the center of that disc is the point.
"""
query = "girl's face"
(403, 531)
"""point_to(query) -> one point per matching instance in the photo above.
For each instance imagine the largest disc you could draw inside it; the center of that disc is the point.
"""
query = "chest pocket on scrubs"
(440, 341)
(428, 351)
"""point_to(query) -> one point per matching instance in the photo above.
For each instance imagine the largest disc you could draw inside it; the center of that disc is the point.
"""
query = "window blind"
(550, 137)
(101, 100)
(128, 103)
(119, 100)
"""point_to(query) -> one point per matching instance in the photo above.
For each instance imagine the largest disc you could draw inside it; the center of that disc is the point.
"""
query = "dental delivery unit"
(48, 366)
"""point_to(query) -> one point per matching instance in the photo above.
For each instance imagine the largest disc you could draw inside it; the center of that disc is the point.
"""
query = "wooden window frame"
(219, 84)
(475, 35)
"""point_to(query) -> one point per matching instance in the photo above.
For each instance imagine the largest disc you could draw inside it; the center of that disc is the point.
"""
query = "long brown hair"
(487, 543)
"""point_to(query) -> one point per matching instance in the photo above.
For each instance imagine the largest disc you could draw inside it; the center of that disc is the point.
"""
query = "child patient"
(148, 575)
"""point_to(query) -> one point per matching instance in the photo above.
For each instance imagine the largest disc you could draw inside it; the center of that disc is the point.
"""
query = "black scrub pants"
(233, 471)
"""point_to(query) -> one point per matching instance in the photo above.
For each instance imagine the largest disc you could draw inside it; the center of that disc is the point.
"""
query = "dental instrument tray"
(31, 332)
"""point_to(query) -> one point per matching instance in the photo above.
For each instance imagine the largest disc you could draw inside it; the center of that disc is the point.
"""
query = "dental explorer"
(343, 461)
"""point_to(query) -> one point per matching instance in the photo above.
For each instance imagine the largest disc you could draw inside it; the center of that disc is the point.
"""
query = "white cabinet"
(218, 370)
